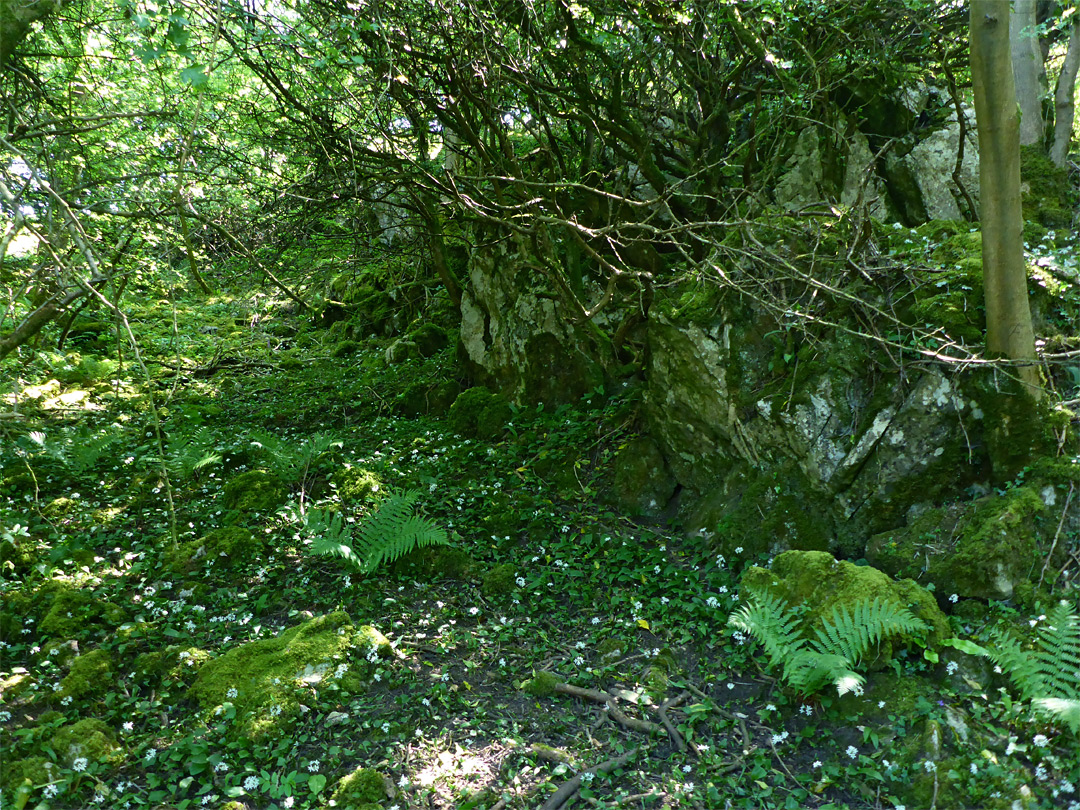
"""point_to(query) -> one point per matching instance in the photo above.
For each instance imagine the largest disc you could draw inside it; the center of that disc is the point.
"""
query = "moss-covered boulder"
(981, 549)
(14, 606)
(344, 348)
(429, 339)
(73, 612)
(642, 483)
(357, 484)
(479, 413)
(401, 350)
(498, 581)
(91, 739)
(175, 663)
(363, 788)
(222, 548)
(264, 685)
(33, 773)
(819, 583)
(254, 491)
(90, 676)
(427, 398)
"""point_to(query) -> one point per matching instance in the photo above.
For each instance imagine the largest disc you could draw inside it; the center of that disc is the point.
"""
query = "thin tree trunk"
(1028, 72)
(1009, 332)
(1065, 98)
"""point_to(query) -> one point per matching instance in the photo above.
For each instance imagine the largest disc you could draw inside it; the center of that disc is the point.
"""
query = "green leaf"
(316, 783)
(195, 76)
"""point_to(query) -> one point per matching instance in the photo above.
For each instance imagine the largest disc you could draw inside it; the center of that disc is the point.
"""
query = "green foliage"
(840, 643)
(292, 463)
(189, 454)
(388, 533)
(78, 451)
(1048, 671)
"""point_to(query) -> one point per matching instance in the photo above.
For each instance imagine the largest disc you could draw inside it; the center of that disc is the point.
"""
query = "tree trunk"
(1065, 98)
(1029, 74)
(1009, 332)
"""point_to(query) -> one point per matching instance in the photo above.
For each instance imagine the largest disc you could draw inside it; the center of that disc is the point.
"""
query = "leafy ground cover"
(554, 649)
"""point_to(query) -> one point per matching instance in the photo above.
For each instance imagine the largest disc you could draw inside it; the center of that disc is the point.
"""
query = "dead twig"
(572, 785)
(676, 737)
(612, 708)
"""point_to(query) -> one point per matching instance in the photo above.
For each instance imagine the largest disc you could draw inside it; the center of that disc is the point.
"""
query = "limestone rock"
(642, 483)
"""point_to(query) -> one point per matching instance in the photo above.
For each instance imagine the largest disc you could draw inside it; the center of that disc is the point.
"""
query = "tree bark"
(1029, 74)
(1065, 98)
(1009, 332)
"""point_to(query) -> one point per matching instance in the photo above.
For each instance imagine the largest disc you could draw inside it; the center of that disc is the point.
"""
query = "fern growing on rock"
(1048, 671)
(388, 533)
(841, 642)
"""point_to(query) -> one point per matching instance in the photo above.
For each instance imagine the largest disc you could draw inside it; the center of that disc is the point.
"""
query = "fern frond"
(392, 531)
(291, 462)
(388, 533)
(1065, 710)
(1019, 664)
(768, 619)
(852, 635)
(189, 454)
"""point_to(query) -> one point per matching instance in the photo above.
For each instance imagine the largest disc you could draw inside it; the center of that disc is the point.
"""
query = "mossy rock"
(498, 581)
(819, 583)
(174, 663)
(90, 676)
(345, 348)
(267, 681)
(90, 738)
(224, 547)
(61, 653)
(254, 491)
(642, 483)
(59, 507)
(429, 339)
(72, 612)
(19, 555)
(38, 771)
(1048, 194)
(357, 484)
(983, 549)
(479, 413)
(364, 786)
(426, 398)
(541, 684)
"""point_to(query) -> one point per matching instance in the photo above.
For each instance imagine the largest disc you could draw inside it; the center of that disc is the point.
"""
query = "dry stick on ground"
(1057, 534)
(671, 703)
(570, 786)
(612, 708)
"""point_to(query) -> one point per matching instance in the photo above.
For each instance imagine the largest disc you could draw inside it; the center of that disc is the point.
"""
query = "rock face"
(911, 182)
(515, 337)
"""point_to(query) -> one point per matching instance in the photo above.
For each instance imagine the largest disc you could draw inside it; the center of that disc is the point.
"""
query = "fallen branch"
(612, 707)
(676, 737)
(572, 785)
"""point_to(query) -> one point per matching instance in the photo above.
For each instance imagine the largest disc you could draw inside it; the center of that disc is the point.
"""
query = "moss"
(820, 583)
(58, 507)
(345, 348)
(426, 398)
(272, 677)
(429, 339)
(174, 663)
(362, 786)
(90, 676)
(357, 484)
(73, 611)
(14, 606)
(1018, 429)
(498, 581)
(1048, 193)
(981, 549)
(541, 684)
(479, 413)
(90, 738)
(557, 371)
(641, 483)
(224, 547)
(38, 771)
(254, 491)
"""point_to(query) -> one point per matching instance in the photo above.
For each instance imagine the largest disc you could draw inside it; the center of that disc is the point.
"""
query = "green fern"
(839, 646)
(1048, 672)
(388, 533)
(290, 462)
(189, 454)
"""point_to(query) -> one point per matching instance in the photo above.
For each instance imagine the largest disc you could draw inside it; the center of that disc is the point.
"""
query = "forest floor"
(657, 702)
